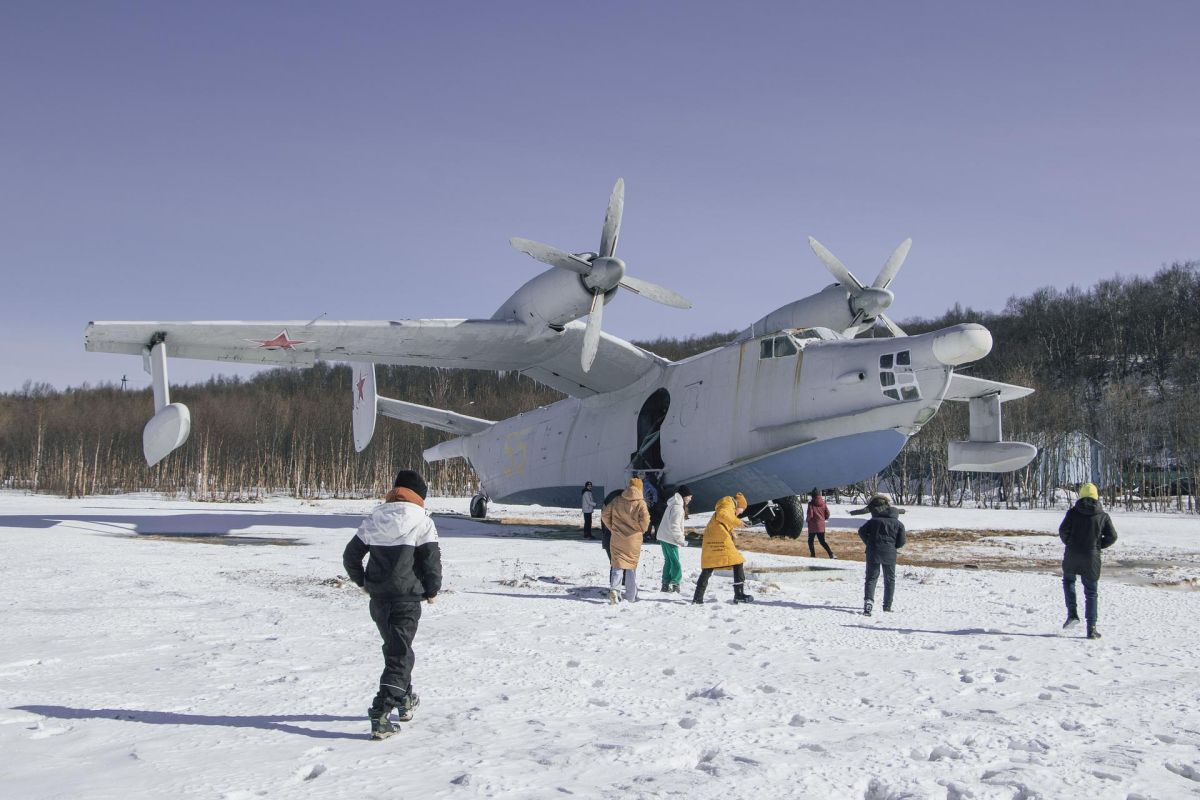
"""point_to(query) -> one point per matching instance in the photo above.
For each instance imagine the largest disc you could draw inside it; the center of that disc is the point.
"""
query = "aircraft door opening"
(648, 455)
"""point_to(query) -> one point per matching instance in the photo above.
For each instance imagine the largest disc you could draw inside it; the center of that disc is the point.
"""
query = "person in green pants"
(671, 537)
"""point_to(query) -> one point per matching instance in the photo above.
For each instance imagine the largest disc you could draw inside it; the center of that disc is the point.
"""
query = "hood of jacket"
(725, 504)
(1087, 506)
(817, 502)
(633, 492)
(886, 511)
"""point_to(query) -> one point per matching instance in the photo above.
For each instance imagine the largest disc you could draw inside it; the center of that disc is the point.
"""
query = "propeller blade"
(843, 275)
(612, 220)
(652, 291)
(891, 326)
(551, 255)
(591, 336)
(892, 266)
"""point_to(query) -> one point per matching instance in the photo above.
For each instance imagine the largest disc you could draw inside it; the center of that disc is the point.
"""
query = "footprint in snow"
(310, 772)
(1188, 771)
(736, 646)
(668, 671)
(572, 663)
(687, 723)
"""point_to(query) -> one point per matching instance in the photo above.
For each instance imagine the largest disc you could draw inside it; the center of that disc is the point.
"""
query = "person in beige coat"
(627, 518)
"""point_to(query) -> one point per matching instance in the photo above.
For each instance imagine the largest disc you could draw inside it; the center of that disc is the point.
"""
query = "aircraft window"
(766, 349)
(892, 394)
(887, 379)
(784, 347)
(902, 358)
(910, 393)
(885, 362)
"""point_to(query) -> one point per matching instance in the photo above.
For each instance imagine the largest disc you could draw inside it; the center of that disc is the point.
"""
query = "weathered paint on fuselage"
(737, 422)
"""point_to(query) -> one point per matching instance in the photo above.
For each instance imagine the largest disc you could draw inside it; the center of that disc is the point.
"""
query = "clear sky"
(267, 160)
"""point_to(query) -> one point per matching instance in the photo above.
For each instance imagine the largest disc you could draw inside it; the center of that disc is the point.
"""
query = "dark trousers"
(397, 623)
(587, 525)
(1091, 596)
(889, 582)
(820, 537)
(739, 580)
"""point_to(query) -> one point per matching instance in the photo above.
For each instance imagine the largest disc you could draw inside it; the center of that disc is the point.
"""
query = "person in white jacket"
(671, 537)
(589, 505)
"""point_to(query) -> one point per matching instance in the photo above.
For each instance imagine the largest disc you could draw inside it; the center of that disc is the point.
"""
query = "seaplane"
(796, 400)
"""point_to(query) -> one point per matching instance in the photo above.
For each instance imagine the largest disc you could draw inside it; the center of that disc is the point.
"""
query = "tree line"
(1116, 370)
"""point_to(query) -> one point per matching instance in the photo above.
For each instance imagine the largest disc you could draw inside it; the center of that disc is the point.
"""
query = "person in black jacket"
(404, 567)
(883, 534)
(1085, 530)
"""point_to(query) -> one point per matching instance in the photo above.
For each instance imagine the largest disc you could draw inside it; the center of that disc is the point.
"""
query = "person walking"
(626, 517)
(404, 568)
(589, 505)
(719, 552)
(672, 537)
(883, 534)
(1085, 530)
(815, 515)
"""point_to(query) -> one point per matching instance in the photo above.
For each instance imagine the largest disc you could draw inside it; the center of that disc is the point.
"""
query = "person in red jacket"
(816, 515)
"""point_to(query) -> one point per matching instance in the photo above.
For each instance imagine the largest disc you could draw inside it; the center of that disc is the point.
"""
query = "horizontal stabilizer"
(436, 418)
(986, 450)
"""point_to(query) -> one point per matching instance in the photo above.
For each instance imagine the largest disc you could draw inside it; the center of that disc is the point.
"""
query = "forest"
(1116, 369)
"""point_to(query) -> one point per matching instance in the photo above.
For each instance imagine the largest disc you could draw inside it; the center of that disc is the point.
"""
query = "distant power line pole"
(124, 380)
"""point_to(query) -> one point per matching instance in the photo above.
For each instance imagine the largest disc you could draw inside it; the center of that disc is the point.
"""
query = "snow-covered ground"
(143, 665)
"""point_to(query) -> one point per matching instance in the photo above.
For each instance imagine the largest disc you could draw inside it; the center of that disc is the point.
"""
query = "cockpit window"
(896, 378)
(777, 347)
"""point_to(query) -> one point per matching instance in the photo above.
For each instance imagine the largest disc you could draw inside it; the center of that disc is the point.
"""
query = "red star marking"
(280, 342)
(362, 380)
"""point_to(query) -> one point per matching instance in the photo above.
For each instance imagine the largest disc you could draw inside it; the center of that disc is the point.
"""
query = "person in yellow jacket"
(719, 552)
(627, 518)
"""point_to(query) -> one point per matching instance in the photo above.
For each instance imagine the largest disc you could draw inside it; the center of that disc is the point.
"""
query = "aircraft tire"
(790, 519)
(479, 504)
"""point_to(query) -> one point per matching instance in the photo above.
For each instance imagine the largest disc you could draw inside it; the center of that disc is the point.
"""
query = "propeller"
(601, 272)
(867, 303)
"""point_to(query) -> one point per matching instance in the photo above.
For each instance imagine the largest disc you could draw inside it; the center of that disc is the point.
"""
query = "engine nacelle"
(552, 298)
(828, 308)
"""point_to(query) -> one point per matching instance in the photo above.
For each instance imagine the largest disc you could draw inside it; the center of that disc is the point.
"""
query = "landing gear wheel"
(479, 505)
(790, 519)
(761, 514)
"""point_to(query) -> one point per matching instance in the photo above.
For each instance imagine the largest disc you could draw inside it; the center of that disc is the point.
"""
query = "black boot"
(1072, 620)
(1092, 633)
(381, 726)
(405, 707)
(867, 607)
(740, 596)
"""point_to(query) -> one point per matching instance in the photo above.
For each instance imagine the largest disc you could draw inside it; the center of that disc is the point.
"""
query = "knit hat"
(412, 480)
(1088, 490)
(684, 491)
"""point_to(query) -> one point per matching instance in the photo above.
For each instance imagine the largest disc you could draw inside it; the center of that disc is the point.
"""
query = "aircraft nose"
(962, 344)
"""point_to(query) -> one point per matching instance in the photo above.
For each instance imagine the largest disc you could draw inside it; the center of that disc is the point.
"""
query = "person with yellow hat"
(1085, 530)
(719, 552)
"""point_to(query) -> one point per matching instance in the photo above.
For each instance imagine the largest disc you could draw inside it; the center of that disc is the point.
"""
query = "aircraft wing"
(963, 387)
(547, 356)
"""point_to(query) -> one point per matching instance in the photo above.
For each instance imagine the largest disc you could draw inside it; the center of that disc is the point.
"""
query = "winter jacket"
(883, 534)
(816, 515)
(405, 562)
(670, 529)
(718, 550)
(627, 518)
(1085, 530)
(589, 502)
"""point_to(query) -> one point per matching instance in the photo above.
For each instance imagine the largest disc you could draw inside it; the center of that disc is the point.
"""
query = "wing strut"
(172, 422)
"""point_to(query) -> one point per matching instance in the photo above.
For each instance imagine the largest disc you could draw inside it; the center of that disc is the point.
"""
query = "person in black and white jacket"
(404, 568)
